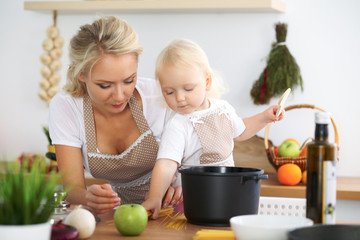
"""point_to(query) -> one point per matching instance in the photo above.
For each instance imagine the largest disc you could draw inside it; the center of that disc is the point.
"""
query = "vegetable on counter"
(62, 231)
(83, 220)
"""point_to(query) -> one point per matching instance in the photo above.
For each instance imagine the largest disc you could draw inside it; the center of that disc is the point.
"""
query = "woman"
(107, 121)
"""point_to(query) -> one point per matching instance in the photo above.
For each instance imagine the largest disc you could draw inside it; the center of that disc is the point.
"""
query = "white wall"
(323, 36)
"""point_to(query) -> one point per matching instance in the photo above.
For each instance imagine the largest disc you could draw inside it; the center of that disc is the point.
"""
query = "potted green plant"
(51, 150)
(27, 200)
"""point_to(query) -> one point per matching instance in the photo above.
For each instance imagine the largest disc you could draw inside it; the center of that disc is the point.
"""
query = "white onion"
(83, 220)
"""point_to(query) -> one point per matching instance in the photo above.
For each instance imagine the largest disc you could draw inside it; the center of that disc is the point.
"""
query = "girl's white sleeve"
(173, 140)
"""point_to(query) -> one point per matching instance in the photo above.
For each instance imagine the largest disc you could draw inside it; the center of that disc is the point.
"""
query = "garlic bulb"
(83, 220)
(54, 79)
(45, 58)
(52, 46)
(48, 44)
(55, 53)
(55, 65)
(58, 42)
(45, 71)
(52, 32)
(43, 95)
(53, 90)
(44, 84)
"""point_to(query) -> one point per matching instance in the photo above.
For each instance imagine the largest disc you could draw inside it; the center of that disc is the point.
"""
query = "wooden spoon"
(282, 101)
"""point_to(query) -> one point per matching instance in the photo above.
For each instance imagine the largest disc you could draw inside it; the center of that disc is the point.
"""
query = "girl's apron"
(215, 132)
(129, 172)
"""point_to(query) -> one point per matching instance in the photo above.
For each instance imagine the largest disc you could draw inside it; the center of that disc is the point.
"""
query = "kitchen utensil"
(282, 101)
(269, 227)
(328, 232)
(212, 195)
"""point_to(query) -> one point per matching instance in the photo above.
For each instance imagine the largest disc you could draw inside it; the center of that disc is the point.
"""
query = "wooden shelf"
(270, 6)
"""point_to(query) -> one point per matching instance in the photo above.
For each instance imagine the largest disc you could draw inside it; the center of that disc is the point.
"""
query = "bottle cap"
(322, 117)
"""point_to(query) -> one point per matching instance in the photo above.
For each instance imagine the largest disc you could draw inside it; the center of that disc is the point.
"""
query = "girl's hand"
(173, 196)
(101, 198)
(154, 206)
(270, 114)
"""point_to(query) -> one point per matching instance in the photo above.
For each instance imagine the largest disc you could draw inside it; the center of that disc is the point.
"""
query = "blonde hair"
(184, 52)
(106, 35)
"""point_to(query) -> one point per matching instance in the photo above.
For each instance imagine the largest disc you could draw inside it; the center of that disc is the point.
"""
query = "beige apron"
(129, 172)
(215, 132)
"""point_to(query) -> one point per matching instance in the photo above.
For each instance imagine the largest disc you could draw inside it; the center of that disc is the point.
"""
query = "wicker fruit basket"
(275, 161)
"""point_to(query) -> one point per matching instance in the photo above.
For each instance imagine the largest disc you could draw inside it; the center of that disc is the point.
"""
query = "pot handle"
(256, 178)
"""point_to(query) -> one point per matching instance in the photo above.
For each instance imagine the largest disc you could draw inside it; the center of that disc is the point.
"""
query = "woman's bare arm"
(101, 198)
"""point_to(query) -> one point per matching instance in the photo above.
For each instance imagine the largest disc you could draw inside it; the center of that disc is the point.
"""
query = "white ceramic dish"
(267, 227)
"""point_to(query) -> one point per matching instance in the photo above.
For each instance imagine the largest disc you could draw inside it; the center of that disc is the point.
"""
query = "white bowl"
(266, 226)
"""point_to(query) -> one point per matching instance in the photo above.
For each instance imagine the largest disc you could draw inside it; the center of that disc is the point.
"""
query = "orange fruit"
(289, 174)
(277, 151)
(303, 152)
(304, 177)
(294, 140)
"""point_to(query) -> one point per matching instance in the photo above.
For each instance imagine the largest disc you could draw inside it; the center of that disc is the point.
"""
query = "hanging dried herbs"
(281, 72)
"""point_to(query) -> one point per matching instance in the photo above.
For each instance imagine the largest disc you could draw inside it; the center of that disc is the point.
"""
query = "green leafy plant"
(282, 71)
(47, 134)
(27, 196)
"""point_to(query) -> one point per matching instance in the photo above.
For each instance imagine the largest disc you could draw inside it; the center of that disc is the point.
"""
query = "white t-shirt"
(66, 116)
(179, 141)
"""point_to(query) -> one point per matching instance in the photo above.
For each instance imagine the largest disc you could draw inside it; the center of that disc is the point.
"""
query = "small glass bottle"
(63, 209)
(321, 174)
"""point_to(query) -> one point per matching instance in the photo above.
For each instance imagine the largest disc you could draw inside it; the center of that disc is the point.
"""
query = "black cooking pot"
(212, 195)
(326, 232)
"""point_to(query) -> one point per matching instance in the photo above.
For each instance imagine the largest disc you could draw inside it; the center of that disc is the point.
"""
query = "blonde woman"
(107, 120)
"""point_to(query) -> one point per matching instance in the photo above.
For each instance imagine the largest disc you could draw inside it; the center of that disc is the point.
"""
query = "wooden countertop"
(156, 229)
(348, 188)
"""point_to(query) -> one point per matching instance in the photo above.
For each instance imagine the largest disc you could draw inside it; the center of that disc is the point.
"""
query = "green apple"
(130, 219)
(289, 149)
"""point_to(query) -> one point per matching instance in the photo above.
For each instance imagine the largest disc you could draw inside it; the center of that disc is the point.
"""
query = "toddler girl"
(202, 129)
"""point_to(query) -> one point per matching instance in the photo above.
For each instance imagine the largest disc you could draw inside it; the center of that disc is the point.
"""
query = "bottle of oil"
(321, 174)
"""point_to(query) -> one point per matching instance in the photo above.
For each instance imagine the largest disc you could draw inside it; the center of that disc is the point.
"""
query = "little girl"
(202, 129)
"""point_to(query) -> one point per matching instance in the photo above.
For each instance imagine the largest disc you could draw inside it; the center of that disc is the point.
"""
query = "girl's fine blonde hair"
(106, 35)
(186, 53)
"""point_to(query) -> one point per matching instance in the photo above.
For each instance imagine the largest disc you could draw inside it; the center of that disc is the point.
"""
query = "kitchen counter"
(156, 229)
(348, 188)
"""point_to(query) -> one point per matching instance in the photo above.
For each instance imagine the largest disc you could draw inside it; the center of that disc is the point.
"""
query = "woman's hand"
(101, 198)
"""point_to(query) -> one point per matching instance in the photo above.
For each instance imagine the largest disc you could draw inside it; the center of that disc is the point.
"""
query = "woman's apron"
(129, 172)
(215, 132)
